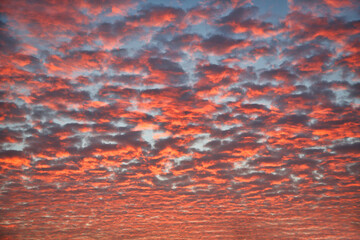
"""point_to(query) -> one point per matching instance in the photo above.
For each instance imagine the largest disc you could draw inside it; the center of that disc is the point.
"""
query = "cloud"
(178, 116)
(312, 27)
(241, 20)
(156, 16)
(279, 75)
(7, 42)
(220, 45)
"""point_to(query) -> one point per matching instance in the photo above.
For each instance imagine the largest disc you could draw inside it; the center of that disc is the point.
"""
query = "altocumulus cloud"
(179, 119)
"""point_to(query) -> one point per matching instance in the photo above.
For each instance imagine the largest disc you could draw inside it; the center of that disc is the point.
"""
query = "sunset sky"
(169, 119)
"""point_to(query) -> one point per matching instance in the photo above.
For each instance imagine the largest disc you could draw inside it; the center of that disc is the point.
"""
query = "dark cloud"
(219, 44)
(12, 113)
(166, 66)
(279, 75)
(156, 16)
(347, 148)
(240, 14)
(294, 120)
(244, 20)
(8, 43)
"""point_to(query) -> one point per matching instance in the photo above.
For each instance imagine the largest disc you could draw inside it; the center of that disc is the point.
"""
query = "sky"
(234, 119)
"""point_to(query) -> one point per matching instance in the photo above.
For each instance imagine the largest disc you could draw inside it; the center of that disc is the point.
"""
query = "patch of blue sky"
(273, 10)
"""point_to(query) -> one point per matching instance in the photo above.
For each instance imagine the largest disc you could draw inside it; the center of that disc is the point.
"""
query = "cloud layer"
(179, 120)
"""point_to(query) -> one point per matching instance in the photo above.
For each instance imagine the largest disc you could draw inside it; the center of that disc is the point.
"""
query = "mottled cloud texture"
(179, 119)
